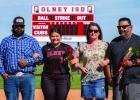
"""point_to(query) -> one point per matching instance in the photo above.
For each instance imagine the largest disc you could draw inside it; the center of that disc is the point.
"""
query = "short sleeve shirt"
(54, 59)
(92, 57)
(116, 51)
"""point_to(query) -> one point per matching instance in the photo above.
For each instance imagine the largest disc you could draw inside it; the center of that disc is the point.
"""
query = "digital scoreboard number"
(71, 20)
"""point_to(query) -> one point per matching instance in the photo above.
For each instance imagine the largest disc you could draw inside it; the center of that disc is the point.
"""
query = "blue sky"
(107, 13)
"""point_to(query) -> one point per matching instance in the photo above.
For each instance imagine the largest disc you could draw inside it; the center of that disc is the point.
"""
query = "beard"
(125, 35)
(122, 34)
(17, 33)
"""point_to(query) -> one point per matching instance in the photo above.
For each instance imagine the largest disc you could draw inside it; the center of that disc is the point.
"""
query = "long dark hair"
(88, 28)
(55, 29)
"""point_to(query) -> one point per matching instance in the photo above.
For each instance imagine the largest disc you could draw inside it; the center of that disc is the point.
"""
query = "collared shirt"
(13, 49)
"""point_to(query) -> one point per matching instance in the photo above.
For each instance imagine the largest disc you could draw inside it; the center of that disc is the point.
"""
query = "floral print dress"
(92, 58)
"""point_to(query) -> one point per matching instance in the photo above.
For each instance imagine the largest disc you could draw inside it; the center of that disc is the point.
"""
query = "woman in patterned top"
(93, 55)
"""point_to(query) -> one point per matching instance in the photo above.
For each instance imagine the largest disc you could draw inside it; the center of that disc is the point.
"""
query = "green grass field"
(75, 79)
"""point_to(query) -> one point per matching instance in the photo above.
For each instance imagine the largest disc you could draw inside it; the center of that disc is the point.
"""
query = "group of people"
(19, 54)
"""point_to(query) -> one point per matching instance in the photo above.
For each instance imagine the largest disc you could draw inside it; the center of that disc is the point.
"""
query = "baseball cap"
(18, 20)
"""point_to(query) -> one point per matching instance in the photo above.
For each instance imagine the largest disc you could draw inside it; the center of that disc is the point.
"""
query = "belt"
(19, 73)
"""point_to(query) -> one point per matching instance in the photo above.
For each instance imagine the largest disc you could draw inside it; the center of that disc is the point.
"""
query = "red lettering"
(53, 9)
(43, 9)
(65, 9)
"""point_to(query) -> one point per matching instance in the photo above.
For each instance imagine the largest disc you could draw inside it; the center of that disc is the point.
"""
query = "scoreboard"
(71, 20)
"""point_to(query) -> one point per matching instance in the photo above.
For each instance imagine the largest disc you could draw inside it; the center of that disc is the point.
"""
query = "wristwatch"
(134, 61)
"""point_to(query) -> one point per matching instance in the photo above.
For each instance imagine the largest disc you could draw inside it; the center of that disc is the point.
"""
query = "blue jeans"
(24, 84)
(93, 89)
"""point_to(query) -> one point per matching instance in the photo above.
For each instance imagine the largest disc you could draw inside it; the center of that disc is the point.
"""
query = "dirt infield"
(74, 94)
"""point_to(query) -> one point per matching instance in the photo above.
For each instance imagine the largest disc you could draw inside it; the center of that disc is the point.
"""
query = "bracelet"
(134, 61)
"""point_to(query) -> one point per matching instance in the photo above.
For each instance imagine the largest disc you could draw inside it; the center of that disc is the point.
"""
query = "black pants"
(55, 87)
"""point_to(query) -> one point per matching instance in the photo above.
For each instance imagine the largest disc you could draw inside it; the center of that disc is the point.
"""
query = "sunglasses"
(16, 26)
(95, 31)
(123, 26)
